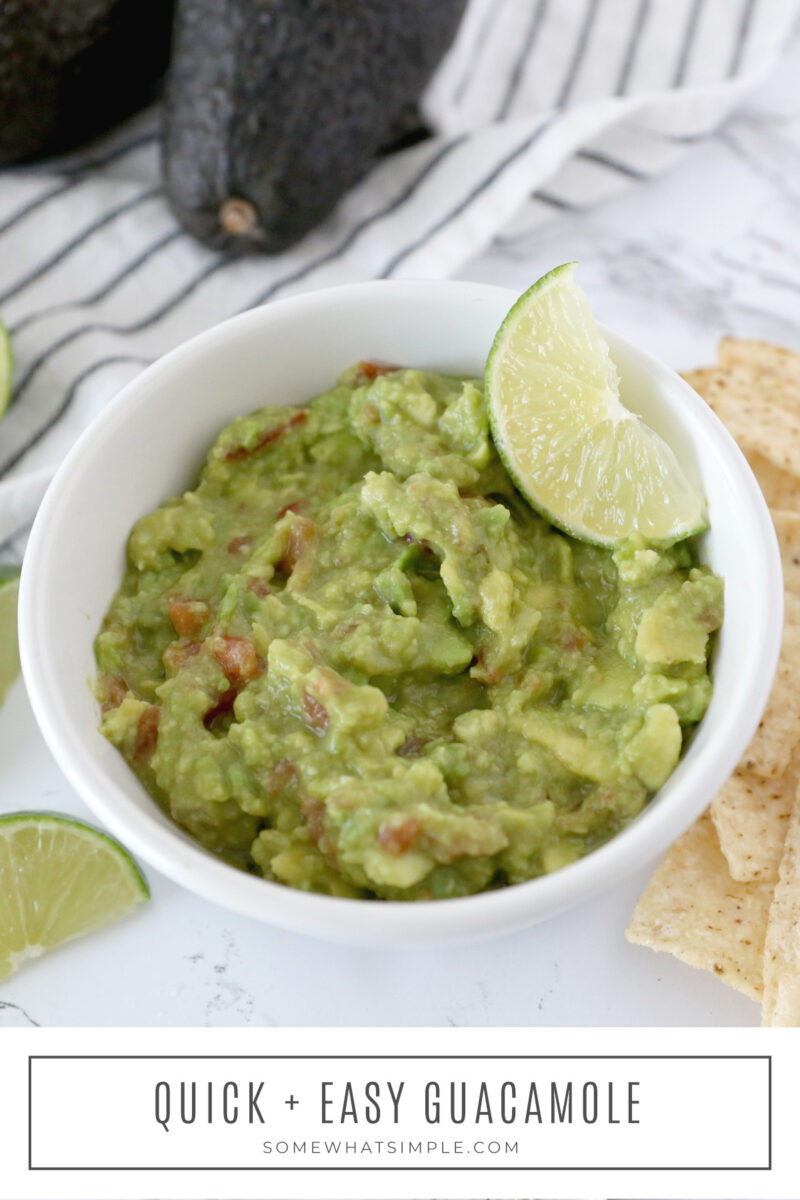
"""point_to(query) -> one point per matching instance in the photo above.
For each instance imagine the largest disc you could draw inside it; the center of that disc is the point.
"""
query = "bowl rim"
(334, 918)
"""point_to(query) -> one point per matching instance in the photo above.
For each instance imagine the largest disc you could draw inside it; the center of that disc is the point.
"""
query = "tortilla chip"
(758, 406)
(757, 415)
(748, 371)
(787, 527)
(751, 812)
(705, 379)
(778, 732)
(782, 949)
(693, 909)
(781, 488)
(711, 902)
(745, 352)
(751, 816)
(744, 381)
(742, 384)
(743, 378)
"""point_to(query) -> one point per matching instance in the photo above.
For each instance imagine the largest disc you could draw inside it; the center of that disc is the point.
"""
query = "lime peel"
(59, 879)
(6, 368)
(9, 647)
(577, 455)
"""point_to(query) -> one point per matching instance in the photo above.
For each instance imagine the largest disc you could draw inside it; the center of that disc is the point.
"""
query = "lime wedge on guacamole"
(9, 649)
(577, 455)
(59, 879)
(6, 368)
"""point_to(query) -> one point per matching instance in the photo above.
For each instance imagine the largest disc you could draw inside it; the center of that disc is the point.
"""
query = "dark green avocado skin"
(70, 69)
(284, 104)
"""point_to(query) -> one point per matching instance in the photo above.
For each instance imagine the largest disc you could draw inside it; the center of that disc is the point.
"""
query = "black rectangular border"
(405, 1058)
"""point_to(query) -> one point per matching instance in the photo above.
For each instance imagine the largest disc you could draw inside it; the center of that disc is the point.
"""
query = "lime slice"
(59, 879)
(9, 648)
(574, 451)
(6, 368)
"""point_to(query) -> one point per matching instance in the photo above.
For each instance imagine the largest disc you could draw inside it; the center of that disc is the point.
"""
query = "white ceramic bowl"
(147, 445)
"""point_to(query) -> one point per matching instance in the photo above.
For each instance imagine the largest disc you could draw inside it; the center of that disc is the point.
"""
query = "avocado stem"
(238, 216)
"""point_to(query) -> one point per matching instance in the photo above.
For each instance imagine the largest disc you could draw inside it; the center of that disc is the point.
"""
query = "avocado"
(274, 108)
(71, 68)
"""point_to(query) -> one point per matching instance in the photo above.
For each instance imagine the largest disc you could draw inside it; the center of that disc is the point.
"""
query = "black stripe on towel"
(553, 201)
(492, 11)
(515, 77)
(106, 289)
(742, 36)
(99, 327)
(632, 48)
(84, 235)
(692, 22)
(366, 223)
(580, 53)
(75, 175)
(471, 196)
(613, 164)
(67, 400)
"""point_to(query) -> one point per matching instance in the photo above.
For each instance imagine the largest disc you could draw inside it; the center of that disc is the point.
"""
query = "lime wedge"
(574, 451)
(59, 879)
(9, 649)
(6, 368)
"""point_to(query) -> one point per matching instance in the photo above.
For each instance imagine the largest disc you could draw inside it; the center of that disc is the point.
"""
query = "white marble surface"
(711, 249)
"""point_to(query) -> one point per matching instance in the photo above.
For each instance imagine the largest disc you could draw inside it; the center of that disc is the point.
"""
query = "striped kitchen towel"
(539, 105)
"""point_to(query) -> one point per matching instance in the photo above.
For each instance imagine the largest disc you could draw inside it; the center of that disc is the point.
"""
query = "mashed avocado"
(353, 660)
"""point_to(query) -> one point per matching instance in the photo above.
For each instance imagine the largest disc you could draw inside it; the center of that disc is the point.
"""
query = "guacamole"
(352, 659)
